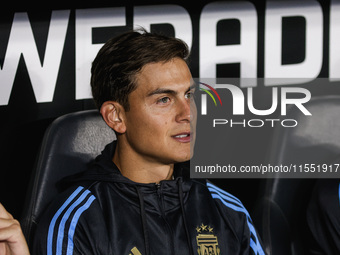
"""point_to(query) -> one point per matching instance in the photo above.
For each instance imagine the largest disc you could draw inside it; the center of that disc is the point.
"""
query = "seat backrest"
(69, 144)
(281, 212)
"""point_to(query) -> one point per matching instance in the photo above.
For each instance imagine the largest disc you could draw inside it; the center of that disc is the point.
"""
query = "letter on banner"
(238, 97)
(44, 75)
(86, 19)
(297, 101)
(245, 53)
(177, 16)
(310, 68)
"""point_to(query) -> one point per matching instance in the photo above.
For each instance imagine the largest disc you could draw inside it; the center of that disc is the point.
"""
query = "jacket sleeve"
(233, 208)
(73, 224)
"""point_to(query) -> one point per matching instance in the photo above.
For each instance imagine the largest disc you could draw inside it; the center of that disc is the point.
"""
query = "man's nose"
(185, 111)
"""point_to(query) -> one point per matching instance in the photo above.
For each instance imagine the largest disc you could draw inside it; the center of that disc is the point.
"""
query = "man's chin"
(184, 159)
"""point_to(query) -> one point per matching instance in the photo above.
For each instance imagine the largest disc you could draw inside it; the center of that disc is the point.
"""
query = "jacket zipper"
(167, 225)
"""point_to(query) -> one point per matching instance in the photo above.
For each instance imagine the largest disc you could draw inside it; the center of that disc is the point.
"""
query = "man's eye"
(163, 100)
(189, 95)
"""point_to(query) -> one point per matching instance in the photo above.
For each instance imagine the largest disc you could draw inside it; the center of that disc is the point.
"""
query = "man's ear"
(113, 115)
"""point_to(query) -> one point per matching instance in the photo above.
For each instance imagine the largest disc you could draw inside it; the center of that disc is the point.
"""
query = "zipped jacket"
(103, 212)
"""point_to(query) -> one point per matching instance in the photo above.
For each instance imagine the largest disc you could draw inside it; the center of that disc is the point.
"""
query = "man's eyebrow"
(168, 91)
(161, 91)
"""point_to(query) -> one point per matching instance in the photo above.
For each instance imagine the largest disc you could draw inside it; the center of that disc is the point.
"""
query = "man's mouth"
(182, 137)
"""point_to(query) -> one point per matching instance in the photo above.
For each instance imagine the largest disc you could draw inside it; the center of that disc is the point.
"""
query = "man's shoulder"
(227, 202)
(71, 203)
(227, 199)
(234, 212)
(73, 197)
(65, 211)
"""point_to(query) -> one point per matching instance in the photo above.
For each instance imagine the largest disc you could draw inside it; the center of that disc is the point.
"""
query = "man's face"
(161, 122)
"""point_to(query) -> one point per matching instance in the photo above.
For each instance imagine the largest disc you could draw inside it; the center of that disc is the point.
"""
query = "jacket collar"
(104, 170)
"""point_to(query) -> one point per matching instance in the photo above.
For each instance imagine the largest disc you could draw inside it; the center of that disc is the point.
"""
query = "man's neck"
(139, 169)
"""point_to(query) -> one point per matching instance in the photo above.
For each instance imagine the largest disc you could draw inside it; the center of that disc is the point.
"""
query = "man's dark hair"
(115, 67)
